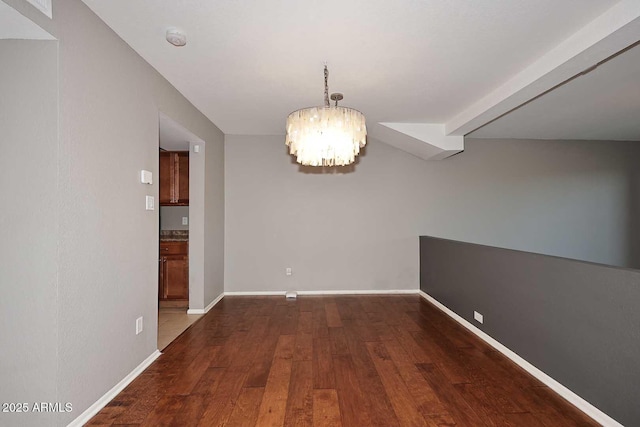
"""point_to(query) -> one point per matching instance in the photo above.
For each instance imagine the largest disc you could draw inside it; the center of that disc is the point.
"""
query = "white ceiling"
(248, 64)
(441, 69)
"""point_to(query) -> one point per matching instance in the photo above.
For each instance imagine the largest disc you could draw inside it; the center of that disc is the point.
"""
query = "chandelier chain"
(326, 86)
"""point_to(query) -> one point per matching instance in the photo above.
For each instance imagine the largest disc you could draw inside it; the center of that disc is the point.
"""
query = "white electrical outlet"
(288, 271)
(185, 220)
(139, 325)
(478, 317)
(150, 203)
(291, 295)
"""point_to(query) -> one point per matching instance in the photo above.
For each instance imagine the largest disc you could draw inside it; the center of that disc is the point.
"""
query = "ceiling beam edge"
(611, 32)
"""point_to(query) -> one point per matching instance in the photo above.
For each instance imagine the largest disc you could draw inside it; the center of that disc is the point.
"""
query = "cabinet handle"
(165, 249)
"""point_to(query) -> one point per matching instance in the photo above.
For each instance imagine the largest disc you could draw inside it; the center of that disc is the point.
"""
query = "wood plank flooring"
(334, 361)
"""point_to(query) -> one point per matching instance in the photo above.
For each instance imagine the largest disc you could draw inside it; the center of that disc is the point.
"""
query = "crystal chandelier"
(327, 135)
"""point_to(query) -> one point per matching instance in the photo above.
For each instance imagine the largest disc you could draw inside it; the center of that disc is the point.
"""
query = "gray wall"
(211, 232)
(109, 99)
(28, 220)
(171, 217)
(359, 230)
(578, 322)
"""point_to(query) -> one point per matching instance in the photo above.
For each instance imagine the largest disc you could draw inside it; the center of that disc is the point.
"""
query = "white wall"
(360, 230)
(109, 101)
(28, 220)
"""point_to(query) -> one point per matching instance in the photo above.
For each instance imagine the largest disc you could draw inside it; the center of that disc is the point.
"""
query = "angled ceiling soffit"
(425, 140)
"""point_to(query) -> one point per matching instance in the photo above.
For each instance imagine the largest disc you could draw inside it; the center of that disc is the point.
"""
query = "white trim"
(339, 292)
(254, 293)
(108, 396)
(554, 385)
(207, 308)
(365, 292)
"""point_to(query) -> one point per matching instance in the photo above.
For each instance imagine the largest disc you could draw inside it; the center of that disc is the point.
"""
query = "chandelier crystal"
(326, 135)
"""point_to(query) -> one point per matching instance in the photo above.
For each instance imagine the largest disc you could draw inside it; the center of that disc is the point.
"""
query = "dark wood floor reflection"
(331, 361)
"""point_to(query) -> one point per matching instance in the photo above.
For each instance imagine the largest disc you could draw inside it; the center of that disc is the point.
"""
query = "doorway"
(177, 175)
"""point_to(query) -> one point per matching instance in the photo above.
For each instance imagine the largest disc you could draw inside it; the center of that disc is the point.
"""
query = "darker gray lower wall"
(576, 321)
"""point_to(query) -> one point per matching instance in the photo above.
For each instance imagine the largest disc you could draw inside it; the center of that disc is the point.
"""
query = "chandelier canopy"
(326, 135)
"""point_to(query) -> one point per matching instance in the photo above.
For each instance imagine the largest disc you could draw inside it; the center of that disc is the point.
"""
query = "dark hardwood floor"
(331, 361)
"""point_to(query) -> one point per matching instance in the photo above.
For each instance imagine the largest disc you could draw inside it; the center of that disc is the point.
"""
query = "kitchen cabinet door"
(174, 178)
(175, 277)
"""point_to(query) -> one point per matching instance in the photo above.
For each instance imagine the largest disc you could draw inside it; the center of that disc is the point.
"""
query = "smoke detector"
(176, 37)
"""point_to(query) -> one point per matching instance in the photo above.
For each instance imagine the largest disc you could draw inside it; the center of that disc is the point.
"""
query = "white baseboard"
(207, 308)
(108, 396)
(340, 292)
(563, 391)
(254, 293)
(366, 292)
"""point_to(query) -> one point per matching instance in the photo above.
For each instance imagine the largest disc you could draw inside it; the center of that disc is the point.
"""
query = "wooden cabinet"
(174, 178)
(174, 273)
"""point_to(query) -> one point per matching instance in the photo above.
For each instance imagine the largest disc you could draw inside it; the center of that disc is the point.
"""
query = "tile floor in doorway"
(171, 323)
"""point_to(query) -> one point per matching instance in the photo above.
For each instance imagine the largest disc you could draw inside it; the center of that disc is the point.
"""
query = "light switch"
(196, 148)
(146, 177)
(150, 203)
(139, 325)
